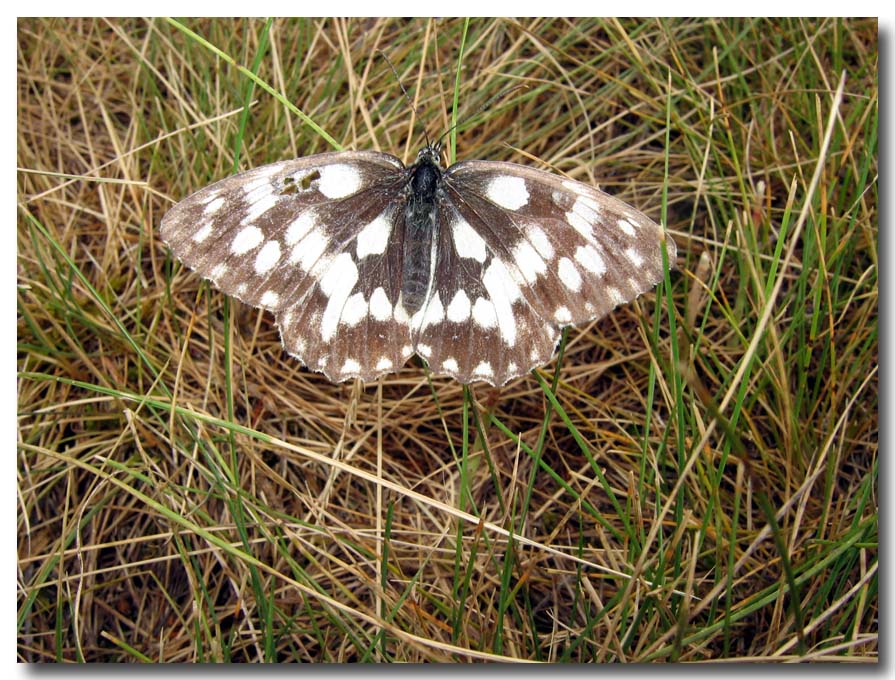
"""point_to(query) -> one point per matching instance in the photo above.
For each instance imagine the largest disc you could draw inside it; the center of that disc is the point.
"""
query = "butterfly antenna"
(487, 105)
(404, 90)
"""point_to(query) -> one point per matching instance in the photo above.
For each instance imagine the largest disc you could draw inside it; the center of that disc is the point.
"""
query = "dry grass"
(703, 484)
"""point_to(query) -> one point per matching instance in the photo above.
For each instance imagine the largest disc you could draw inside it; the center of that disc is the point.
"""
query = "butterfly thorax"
(420, 213)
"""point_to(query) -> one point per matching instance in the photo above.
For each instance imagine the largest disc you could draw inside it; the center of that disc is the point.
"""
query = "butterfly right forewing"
(578, 249)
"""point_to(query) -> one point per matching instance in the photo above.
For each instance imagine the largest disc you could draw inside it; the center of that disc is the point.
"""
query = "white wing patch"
(309, 250)
(529, 262)
(434, 312)
(503, 292)
(540, 241)
(213, 206)
(627, 226)
(261, 205)
(508, 192)
(354, 311)
(483, 370)
(300, 226)
(588, 257)
(247, 239)
(467, 242)
(338, 180)
(460, 308)
(203, 233)
(267, 257)
(635, 257)
(373, 238)
(483, 313)
(336, 284)
(568, 274)
(380, 307)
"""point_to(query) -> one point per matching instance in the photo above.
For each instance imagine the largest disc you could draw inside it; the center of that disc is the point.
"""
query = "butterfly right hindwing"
(477, 324)
(521, 254)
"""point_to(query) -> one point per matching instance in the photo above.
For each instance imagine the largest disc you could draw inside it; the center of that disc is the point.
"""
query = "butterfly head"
(430, 155)
(425, 174)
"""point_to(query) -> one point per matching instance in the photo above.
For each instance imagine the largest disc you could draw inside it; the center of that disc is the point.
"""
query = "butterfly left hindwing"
(314, 240)
(365, 262)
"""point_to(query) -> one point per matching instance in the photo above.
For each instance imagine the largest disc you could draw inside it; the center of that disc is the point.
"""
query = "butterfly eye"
(365, 262)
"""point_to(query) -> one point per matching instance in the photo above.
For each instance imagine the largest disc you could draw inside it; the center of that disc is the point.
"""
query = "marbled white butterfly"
(365, 262)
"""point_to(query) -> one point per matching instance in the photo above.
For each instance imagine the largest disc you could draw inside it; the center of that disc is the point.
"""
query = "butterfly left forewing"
(242, 232)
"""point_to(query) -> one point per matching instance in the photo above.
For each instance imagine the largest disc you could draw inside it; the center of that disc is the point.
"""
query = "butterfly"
(365, 261)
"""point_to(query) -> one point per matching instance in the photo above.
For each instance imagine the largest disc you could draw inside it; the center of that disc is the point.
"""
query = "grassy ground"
(701, 481)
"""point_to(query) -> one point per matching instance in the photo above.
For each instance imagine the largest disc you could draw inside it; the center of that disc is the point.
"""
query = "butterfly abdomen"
(420, 213)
